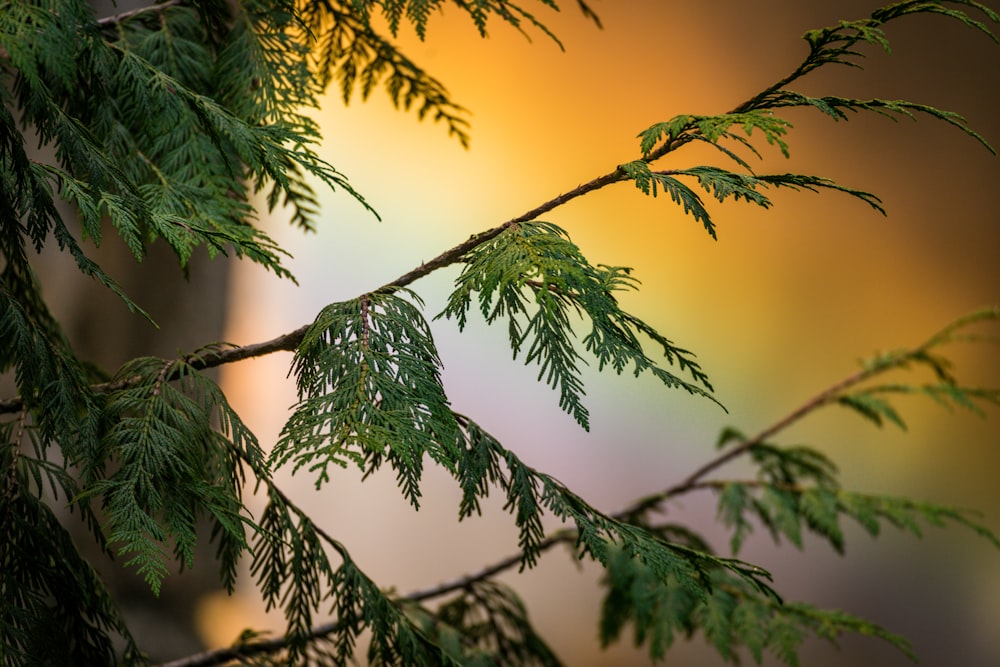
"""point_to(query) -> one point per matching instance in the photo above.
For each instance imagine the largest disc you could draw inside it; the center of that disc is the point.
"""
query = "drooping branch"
(692, 482)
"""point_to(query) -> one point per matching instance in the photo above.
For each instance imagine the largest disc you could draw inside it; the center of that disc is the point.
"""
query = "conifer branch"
(679, 134)
(832, 394)
(226, 95)
(692, 481)
(695, 480)
(290, 341)
(214, 356)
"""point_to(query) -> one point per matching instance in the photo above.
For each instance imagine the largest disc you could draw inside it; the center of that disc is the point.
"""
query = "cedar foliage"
(163, 121)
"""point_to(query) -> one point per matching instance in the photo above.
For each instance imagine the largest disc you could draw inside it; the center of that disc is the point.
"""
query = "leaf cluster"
(177, 451)
(370, 391)
(733, 617)
(734, 131)
(136, 115)
(537, 279)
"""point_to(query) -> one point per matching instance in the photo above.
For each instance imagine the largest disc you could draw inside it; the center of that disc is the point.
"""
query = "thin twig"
(203, 360)
(455, 254)
(109, 21)
(691, 481)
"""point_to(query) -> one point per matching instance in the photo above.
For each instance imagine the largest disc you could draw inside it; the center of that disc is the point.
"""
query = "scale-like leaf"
(533, 275)
(370, 391)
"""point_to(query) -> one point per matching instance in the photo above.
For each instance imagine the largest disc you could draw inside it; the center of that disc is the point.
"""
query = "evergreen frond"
(786, 509)
(417, 12)
(815, 183)
(531, 493)
(52, 383)
(836, 44)
(349, 50)
(872, 401)
(180, 173)
(650, 182)
(723, 184)
(733, 617)
(294, 572)
(369, 385)
(49, 589)
(870, 511)
(533, 275)
(793, 465)
(713, 129)
(51, 481)
(835, 107)
(486, 624)
(872, 408)
(171, 467)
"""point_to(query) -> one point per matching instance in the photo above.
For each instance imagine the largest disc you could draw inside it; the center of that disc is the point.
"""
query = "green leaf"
(536, 278)
(170, 467)
(872, 407)
(369, 385)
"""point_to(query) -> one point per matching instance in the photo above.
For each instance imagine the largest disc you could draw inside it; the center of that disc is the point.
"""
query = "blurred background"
(780, 307)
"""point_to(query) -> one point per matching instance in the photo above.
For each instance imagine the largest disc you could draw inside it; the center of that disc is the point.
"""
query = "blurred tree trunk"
(190, 312)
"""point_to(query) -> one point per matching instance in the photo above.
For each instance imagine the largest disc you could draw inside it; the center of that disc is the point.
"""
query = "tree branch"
(290, 341)
(109, 21)
(691, 482)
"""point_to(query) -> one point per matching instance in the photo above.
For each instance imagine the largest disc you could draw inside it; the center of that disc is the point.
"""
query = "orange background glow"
(781, 306)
